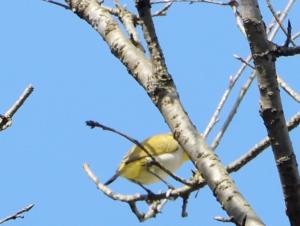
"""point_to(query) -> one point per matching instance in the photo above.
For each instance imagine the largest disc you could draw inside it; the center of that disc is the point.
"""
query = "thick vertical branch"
(271, 107)
(155, 79)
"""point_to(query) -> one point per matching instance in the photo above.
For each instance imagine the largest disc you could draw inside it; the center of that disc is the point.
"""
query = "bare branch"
(155, 202)
(239, 22)
(57, 3)
(108, 192)
(233, 111)
(281, 82)
(295, 36)
(181, 192)
(260, 147)
(281, 18)
(18, 214)
(288, 89)
(157, 82)
(6, 119)
(214, 118)
(163, 11)
(15, 107)
(153, 209)
(243, 61)
(94, 124)
(289, 34)
(285, 51)
(271, 109)
(185, 199)
(161, 88)
(269, 4)
(191, 1)
(243, 91)
(224, 219)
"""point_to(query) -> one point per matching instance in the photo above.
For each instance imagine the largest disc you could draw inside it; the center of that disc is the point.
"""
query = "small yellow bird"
(137, 165)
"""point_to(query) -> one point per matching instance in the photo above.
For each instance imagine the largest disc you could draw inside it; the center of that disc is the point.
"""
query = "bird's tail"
(112, 179)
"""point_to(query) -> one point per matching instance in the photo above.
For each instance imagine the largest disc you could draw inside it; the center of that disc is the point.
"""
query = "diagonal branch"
(94, 124)
(260, 147)
(292, 93)
(243, 91)
(163, 11)
(18, 214)
(155, 203)
(269, 4)
(295, 95)
(191, 1)
(6, 119)
(57, 3)
(155, 79)
(198, 181)
(162, 91)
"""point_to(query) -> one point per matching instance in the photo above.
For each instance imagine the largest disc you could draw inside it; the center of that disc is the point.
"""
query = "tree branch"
(18, 214)
(6, 119)
(57, 4)
(243, 91)
(288, 89)
(260, 147)
(94, 124)
(271, 107)
(292, 93)
(197, 183)
(155, 79)
(191, 1)
(155, 203)
(269, 4)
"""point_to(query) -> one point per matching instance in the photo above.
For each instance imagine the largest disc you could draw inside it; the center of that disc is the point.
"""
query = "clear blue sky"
(77, 79)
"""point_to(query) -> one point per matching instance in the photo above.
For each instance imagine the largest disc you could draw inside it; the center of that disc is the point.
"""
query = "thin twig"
(260, 146)
(18, 214)
(94, 124)
(191, 1)
(288, 89)
(6, 119)
(295, 36)
(273, 23)
(57, 3)
(281, 18)
(155, 202)
(140, 216)
(185, 200)
(108, 192)
(153, 209)
(243, 90)
(163, 11)
(232, 81)
(198, 182)
(224, 219)
(239, 22)
(243, 61)
(233, 111)
(15, 107)
(289, 34)
(281, 82)
(269, 4)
